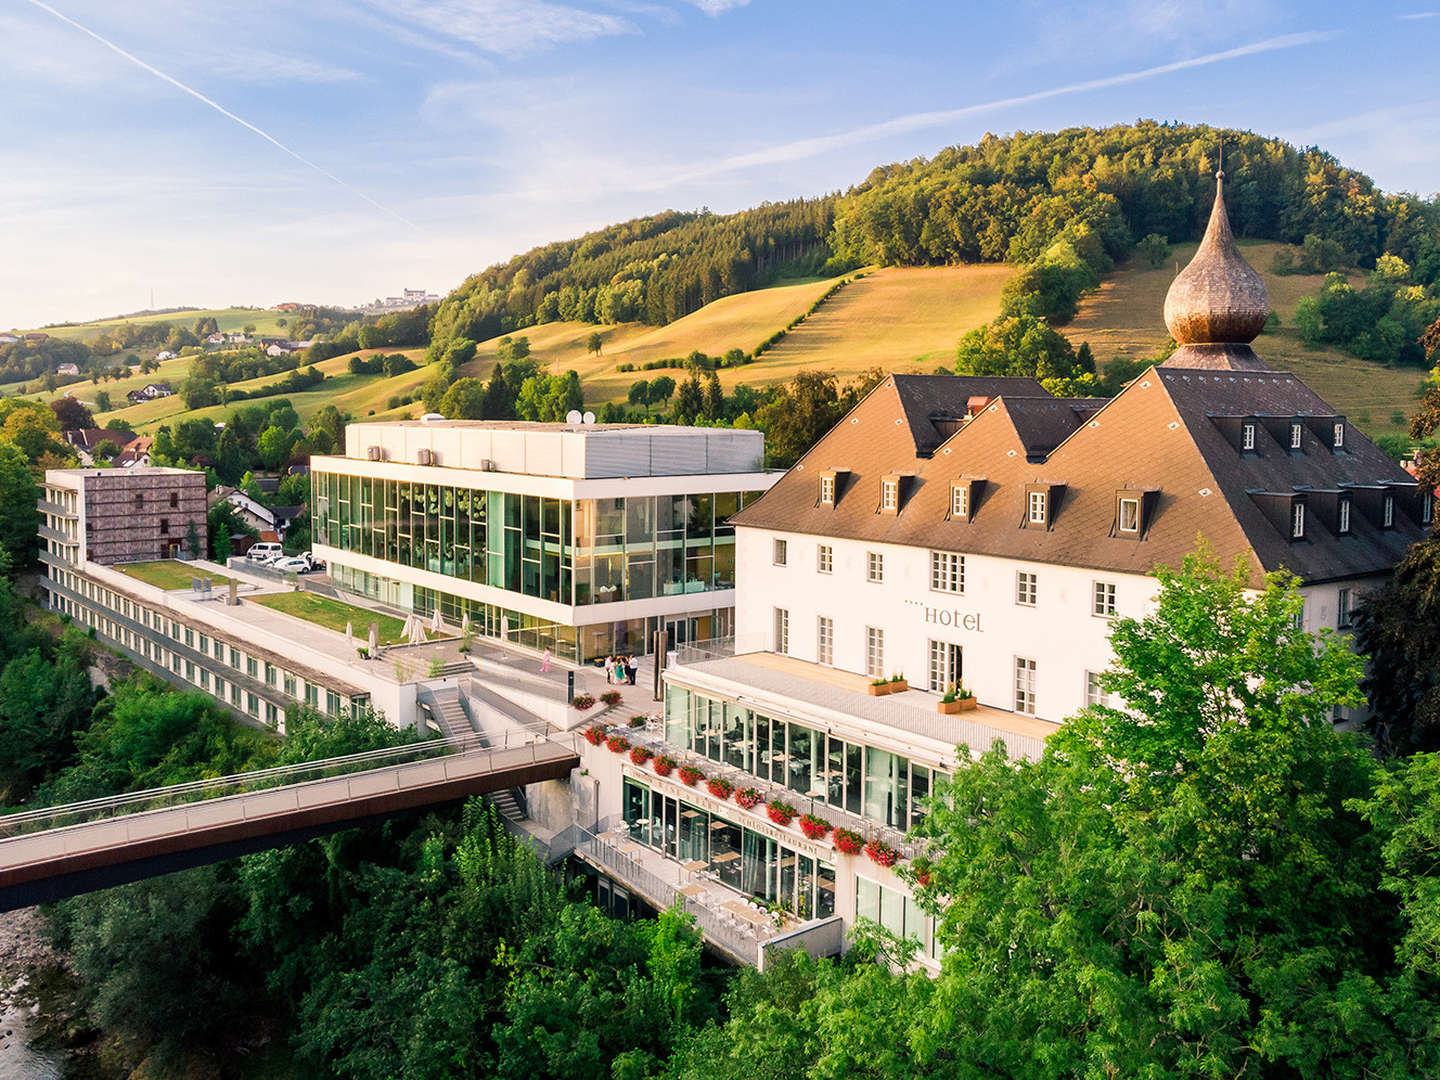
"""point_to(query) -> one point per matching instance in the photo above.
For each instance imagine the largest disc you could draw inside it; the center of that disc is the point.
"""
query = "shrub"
(618, 744)
(849, 843)
(636, 721)
(881, 853)
(641, 754)
(748, 798)
(663, 765)
(719, 787)
(782, 813)
(611, 697)
(813, 827)
(921, 869)
(594, 735)
(691, 775)
(582, 701)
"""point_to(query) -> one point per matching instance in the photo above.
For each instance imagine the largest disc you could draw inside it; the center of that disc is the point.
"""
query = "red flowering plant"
(618, 744)
(781, 813)
(881, 853)
(663, 765)
(641, 754)
(719, 787)
(595, 735)
(814, 827)
(849, 843)
(691, 775)
(611, 697)
(920, 870)
(748, 798)
(582, 701)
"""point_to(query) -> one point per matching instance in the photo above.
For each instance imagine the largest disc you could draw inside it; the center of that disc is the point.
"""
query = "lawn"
(228, 319)
(170, 574)
(334, 614)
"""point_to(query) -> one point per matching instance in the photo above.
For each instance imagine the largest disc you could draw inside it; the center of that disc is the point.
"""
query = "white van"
(265, 551)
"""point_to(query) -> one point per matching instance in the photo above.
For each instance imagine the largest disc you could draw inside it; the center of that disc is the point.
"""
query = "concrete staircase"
(447, 711)
(508, 804)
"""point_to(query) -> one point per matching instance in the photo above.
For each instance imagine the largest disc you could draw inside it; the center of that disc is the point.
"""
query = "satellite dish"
(589, 418)
(573, 416)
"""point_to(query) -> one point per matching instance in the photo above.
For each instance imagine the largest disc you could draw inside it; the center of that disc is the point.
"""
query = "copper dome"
(1219, 299)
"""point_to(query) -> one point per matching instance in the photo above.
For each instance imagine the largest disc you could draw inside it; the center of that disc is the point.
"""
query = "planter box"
(888, 688)
(949, 708)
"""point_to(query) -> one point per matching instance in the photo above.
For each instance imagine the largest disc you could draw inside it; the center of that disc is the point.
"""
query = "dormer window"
(1247, 435)
(1387, 512)
(1297, 521)
(1037, 510)
(827, 490)
(960, 500)
(890, 494)
(1296, 428)
(1343, 520)
(1129, 516)
(1338, 440)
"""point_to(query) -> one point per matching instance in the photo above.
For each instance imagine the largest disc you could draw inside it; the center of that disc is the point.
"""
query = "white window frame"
(947, 572)
(889, 494)
(1025, 671)
(1297, 521)
(827, 490)
(1296, 435)
(1094, 694)
(1344, 522)
(1342, 609)
(780, 552)
(875, 567)
(960, 500)
(1247, 436)
(824, 559)
(875, 652)
(1387, 512)
(1131, 507)
(1037, 510)
(781, 630)
(1027, 588)
(1102, 599)
(1338, 441)
(825, 640)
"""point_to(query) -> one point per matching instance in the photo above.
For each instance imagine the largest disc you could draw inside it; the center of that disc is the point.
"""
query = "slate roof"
(1164, 434)
(924, 399)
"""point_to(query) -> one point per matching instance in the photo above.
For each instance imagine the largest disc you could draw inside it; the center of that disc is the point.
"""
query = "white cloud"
(506, 27)
(263, 66)
(718, 7)
(1420, 15)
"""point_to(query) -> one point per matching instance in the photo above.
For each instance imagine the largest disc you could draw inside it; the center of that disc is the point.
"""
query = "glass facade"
(863, 780)
(582, 551)
(742, 858)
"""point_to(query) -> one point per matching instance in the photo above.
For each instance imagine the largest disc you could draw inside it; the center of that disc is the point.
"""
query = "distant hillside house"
(236, 337)
(37, 337)
(215, 339)
(68, 369)
(289, 305)
(137, 453)
(136, 397)
(158, 390)
(9, 339)
(85, 440)
(165, 354)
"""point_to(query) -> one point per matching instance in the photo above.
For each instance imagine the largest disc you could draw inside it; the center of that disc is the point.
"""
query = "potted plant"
(691, 775)
(641, 754)
(881, 853)
(611, 697)
(956, 700)
(781, 813)
(748, 798)
(849, 843)
(814, 827)
(582, 701)
(635, 721)
(719, 787)
(595, 735)
(617, 744)
(663, 765)
(893, 685)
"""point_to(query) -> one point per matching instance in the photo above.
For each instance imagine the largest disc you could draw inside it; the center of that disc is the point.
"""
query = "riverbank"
(43, 1031)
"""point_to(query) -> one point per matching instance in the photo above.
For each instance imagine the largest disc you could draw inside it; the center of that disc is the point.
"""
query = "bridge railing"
(54, 817)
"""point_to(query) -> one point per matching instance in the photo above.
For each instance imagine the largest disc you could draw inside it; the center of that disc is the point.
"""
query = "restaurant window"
(782, 630)
(947, 572)
(825, 640)
(874, 566)
(1026, 588)
(1025, 685)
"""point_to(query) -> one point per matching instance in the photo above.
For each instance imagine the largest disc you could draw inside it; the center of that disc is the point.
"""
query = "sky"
(211, 153)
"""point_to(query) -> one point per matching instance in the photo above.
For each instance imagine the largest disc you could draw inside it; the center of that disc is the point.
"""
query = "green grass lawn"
(170, 574)
(334, 614)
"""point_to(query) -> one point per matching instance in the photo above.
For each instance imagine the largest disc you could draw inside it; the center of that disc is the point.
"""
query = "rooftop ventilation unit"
(432, 418)
(425, 456)
(372, 453)
(488, 465)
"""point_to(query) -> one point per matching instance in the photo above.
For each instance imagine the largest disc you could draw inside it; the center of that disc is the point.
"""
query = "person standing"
(609, 670)
(545, 662)
(631, 667)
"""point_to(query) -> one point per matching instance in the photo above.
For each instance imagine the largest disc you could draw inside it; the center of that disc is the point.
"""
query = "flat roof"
(538, 426)
(825, 693)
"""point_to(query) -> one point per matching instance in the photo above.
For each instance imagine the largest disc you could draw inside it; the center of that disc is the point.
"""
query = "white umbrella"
(349, 635)
(417, 633)
(374, 638)
(437, 625)
(465, 623)
(504, 627)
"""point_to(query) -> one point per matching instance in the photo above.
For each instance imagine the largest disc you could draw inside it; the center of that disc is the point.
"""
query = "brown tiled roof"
(1158, 435)
(924, 399)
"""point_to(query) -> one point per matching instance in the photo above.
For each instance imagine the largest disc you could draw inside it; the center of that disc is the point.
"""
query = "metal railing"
(281, 776)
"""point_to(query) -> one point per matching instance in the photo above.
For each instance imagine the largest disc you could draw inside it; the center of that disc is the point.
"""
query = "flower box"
(691, 775)
(636, 721)
(781, 813)
(663, 765)
(641, 754)
(611, 697)
(963, 704)
(748, 798)
(848, 843)
(814, 827)
(881, 853)
(719, 787)
(891, 687)
(594, 735)
(582, 701)
(618, 744)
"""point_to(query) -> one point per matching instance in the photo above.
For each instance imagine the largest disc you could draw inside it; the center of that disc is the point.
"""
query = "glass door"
(946, 667)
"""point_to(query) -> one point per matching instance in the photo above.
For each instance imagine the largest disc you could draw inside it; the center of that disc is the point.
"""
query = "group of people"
(620, 670)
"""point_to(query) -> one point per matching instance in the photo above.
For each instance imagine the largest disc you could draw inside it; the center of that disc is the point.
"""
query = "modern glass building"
(581, 538)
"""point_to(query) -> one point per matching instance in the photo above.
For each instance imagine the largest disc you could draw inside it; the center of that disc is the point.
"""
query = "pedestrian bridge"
(66, 850)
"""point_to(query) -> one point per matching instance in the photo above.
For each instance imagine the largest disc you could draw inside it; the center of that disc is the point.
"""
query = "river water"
(18, 1059)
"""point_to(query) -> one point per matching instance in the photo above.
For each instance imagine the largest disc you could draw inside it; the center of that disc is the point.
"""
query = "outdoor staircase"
(461, 666)
(447, 711)
(508, 803)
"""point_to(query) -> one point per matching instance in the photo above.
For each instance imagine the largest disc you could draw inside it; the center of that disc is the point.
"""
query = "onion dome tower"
(1218, 304)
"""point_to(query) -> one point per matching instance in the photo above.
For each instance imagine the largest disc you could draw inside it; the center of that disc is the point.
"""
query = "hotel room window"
(1037, 508)
(889, 494)
(1344, 523)
(874, 652)
(1026, 589)
(782, 630)
(1342, 609)
(1339, 435)
(825, 640)
(824, 558)
(947, 572)
(827, 490)
(1295, 434)
(1297, 521)
(1129, 515)
(960, 501)
(1025, 685)
(1247, 436)
(780, 552)
(1104, 599)
(1387, 513)
(874, 566)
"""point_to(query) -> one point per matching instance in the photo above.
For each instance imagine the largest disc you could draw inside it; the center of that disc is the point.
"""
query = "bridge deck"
(88, 847)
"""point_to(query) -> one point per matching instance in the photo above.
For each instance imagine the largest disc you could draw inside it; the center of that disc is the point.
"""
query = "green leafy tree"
(192, 541)
(1024, 345)
(1398, 627)
(662, 387)
(1153, 249)
(639, 394)
(714, 406)
(44, 702)
(689, 400)
(465, 400)
(102, 401)
(595, 343)
(274, 447)
(499, 397)
(224, 547)
(19, 518)
(72, 413)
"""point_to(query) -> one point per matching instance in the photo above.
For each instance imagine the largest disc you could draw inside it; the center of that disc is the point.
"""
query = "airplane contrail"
(223, 112)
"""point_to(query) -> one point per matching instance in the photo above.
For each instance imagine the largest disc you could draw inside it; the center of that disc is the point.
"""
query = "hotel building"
(583, 539)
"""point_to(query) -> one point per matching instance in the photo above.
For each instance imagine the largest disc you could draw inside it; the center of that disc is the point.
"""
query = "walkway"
(63, 851)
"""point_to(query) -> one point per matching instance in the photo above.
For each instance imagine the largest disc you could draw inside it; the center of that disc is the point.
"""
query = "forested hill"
(1005, 199)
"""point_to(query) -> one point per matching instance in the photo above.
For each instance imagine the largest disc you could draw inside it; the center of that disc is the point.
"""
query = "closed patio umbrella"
(417, 633)
(437, 625)
(349, 635)
(374, 638)
(465, 624)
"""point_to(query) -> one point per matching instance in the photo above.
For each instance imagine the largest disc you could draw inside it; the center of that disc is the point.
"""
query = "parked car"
(265, 551)
(295, 564)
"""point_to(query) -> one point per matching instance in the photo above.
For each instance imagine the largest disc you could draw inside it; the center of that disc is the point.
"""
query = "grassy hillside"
(1123, 318)
(226, 318)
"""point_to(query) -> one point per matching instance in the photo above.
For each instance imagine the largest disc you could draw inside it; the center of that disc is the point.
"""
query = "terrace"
(171, 574)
